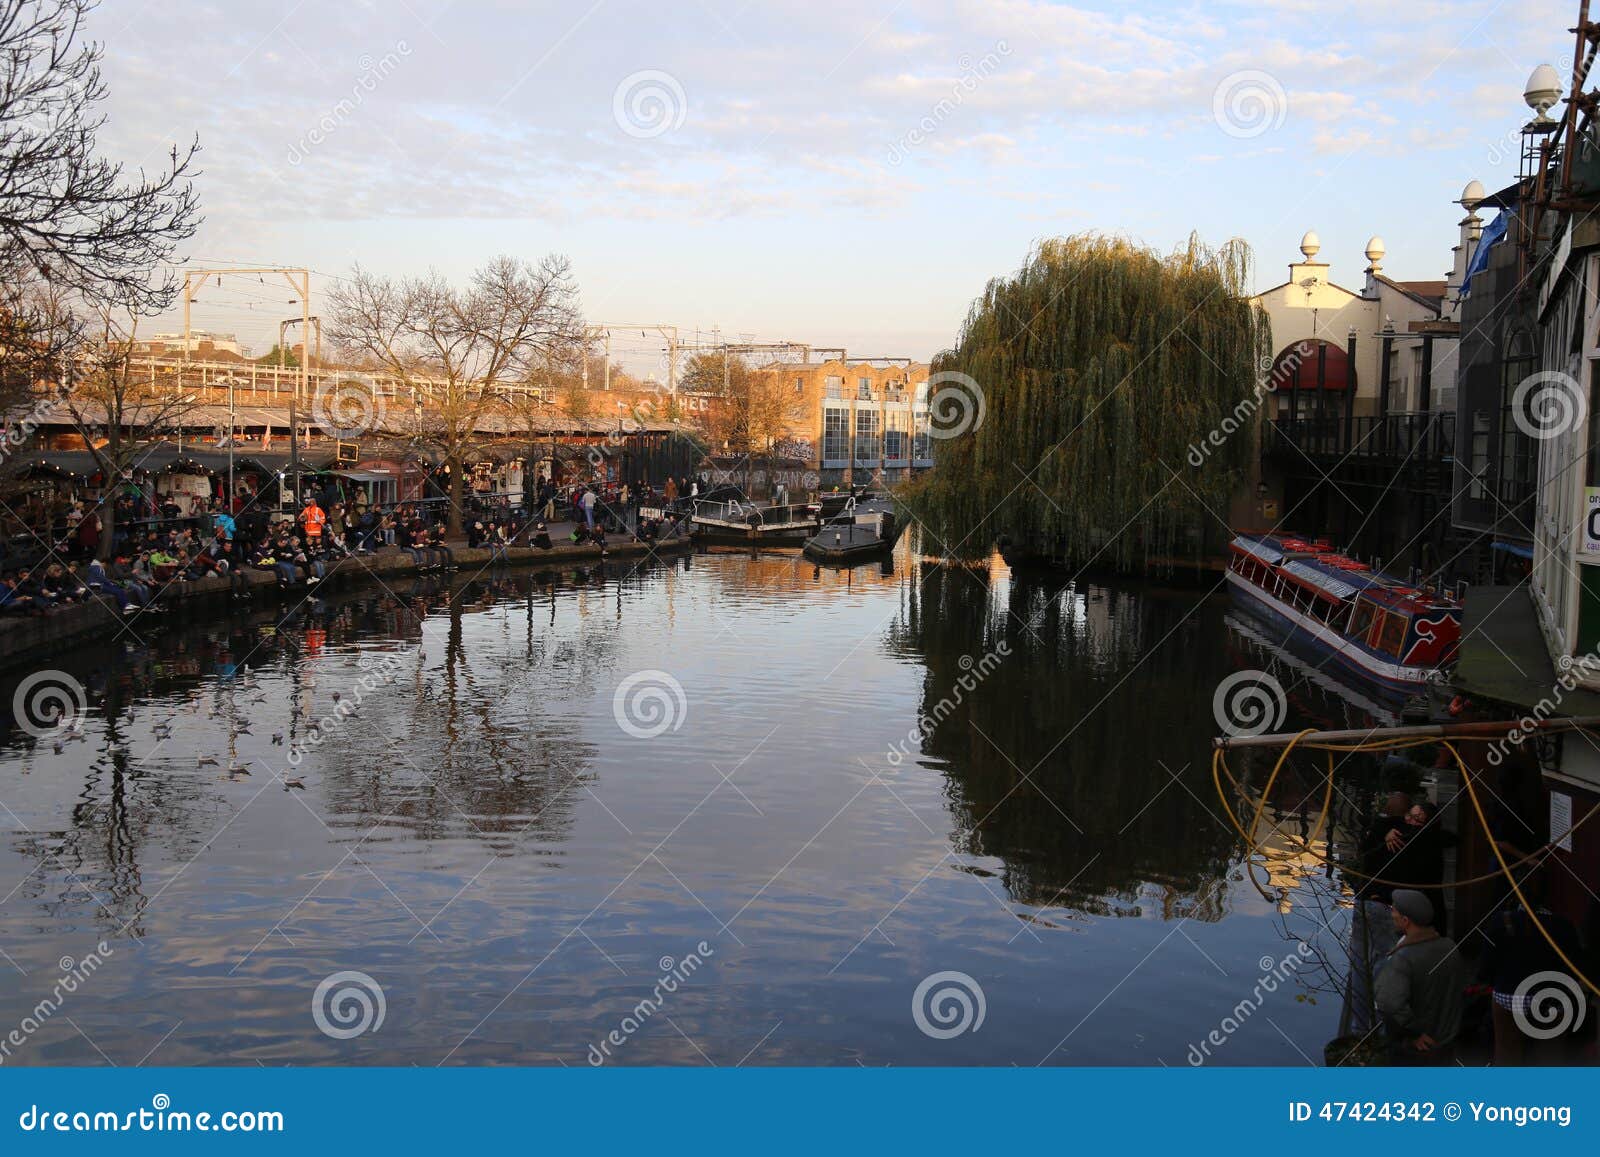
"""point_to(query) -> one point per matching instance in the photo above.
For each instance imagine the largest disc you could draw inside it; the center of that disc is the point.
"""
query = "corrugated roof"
(1265, 551)
(1339, 586)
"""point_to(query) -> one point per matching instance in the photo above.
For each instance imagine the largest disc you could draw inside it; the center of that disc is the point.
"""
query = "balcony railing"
(1422, 438)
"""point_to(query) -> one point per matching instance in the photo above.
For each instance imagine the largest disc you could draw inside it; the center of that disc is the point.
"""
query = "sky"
(840, 174)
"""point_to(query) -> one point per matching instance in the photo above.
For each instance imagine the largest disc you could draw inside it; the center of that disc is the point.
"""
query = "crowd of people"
(156, 545)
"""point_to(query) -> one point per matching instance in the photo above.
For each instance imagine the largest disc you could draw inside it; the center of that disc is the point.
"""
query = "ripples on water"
(515, 869)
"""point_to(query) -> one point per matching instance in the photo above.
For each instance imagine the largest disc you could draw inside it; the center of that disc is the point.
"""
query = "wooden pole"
(1419, 731)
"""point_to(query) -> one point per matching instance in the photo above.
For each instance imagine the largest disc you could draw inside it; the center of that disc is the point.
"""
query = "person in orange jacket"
(312, 520)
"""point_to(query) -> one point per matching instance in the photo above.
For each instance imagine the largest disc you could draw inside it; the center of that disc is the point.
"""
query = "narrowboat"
(1397, 636)
(862, 532)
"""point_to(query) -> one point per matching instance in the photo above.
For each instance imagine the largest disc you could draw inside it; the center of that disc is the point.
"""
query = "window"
(868, 444)
(1515, 481)
(835, 433)
(1361, 620)
(864, 389)
(1392, 634)
(799, 383)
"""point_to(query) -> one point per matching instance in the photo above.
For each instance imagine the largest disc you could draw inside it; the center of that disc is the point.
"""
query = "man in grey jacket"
(1420, 989)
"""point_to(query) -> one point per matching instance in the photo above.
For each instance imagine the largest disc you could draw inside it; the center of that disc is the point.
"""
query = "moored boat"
(863, 531)
(1396, 635)
(747, 524)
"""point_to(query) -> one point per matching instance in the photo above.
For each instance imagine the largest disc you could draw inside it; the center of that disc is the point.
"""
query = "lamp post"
(227, 499)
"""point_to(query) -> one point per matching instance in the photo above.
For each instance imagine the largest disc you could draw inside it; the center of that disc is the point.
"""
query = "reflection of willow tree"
(1100, 363)
(1092, 704)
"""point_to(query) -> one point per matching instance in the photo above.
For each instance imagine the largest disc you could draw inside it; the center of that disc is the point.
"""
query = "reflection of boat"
(1396, 635)
(736, 523)
(861, 532)
(1256, 635)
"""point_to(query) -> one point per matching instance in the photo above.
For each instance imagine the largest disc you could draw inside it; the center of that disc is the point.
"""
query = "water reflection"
(1075, 762)
(478, 833)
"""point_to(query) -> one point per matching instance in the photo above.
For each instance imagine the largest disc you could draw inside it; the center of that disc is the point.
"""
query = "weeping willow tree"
(1103, 367)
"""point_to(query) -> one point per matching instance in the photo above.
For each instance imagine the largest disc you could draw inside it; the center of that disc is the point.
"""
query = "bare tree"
(753, 412)
(118, 413)
(458, 348)
(68, 216)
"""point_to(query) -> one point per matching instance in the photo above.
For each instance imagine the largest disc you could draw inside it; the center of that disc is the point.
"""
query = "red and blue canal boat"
(1393, 634)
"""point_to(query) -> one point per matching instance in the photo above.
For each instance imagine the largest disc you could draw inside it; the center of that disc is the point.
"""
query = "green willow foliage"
(1102, 363)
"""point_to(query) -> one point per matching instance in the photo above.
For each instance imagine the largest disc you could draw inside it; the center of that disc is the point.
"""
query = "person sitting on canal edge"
(541, 537)
(1420, 989)
(441, 550)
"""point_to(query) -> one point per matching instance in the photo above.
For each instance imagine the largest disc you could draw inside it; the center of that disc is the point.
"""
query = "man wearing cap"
(1419, 990)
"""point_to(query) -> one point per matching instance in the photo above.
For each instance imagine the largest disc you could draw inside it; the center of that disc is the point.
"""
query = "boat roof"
(1313, 562)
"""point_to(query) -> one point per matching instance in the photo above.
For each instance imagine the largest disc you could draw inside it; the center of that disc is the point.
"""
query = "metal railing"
(1421, 437)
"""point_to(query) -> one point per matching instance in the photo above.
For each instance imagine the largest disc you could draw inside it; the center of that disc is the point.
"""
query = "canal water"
(716, 810)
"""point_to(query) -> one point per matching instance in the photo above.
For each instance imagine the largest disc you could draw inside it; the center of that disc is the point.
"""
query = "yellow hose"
(1219, 767)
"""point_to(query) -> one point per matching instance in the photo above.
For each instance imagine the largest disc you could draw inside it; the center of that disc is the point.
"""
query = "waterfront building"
(1531, 643)
(200, 343)
(857, 420)
(1358, 432)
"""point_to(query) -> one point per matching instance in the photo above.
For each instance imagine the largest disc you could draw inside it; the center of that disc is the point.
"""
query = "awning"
(365, 475)
(1295, 367)
(1515, 548)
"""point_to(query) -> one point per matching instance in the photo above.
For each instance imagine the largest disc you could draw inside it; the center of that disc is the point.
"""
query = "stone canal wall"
(31, 638)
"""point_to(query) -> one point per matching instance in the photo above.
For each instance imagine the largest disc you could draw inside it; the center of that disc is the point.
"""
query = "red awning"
(1295, 368)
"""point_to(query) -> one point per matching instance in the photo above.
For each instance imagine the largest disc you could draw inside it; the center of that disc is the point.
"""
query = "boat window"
(1391, 634)
(1361, 620)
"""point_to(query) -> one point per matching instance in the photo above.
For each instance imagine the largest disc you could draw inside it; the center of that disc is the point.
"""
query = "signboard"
(347, 453)
(1589, 533)
(650, 512)
(1561, 820)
